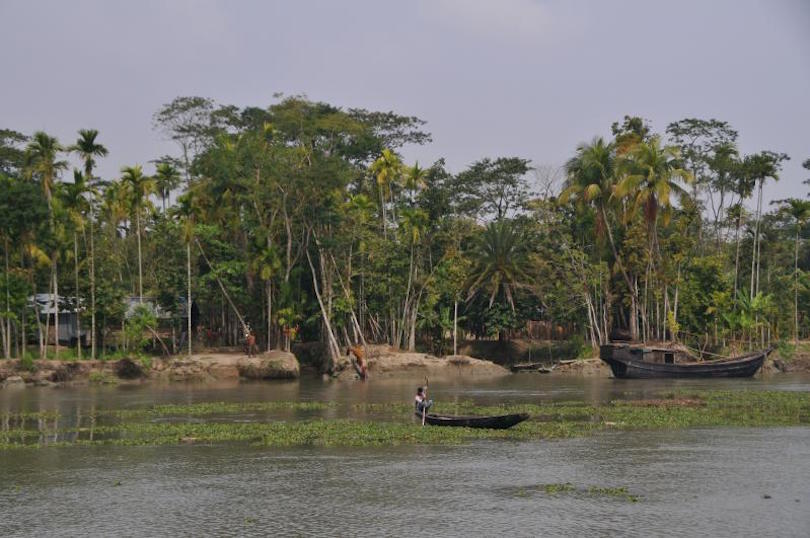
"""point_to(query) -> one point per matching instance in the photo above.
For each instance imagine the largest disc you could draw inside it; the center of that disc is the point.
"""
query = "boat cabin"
(657, 355)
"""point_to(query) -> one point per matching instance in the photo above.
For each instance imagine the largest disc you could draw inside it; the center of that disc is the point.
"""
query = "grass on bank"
(219, 422)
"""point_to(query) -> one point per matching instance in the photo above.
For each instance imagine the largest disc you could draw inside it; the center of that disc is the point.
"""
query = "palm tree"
(757, 169)
(138, 188)
(799, 211)
(501, 262)
(88, 150)
(41, 156)
(42, 163)
(167, 178)
(652, 176)
(590, 182)
(736, 213)
(414, 221)
(387, 169)
(415, 177)
(77, 206)
(186, 212)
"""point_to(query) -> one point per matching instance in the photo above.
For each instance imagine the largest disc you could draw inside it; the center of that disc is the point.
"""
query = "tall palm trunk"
(7, 335)
(455, 327)
(140, 265)
(188, 296)
(631, 288)
(92, 292)
(269, 290)
(56, 309)
(736, 260)
(77, 310)
(755, 248)
(795, 289)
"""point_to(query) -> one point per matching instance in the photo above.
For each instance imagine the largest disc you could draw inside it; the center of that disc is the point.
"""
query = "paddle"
(424, 406)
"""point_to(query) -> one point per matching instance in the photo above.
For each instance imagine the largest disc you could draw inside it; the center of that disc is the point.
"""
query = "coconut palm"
(138, 188)
(501, 262)
(167, 178)
(652, 175)
(591, 182)
(591, 177)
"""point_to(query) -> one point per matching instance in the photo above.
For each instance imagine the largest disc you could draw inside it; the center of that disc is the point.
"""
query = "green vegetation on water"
(570, 489)
(288, 424)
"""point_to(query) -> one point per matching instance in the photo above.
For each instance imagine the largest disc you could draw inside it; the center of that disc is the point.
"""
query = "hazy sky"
(492, 78)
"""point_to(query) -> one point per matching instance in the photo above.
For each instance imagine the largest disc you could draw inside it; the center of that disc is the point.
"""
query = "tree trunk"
(455, 327)
(412, 334)
(7, 335)
(736, 260)
(795, 289)
(754, 249)
(188, 296)
(140, 265)
(92, 292)
(76, 307)
(56, 309)
(334, 349)
(269, 290)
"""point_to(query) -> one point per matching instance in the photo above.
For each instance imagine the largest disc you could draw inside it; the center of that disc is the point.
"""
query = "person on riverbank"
(360, 363)
(250, 341)
(421, 401)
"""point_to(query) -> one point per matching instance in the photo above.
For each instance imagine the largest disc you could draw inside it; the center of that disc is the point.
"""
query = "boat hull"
(500, 422)
(625, 366)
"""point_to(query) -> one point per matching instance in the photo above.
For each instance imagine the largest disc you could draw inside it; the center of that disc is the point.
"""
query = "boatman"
(421, 402)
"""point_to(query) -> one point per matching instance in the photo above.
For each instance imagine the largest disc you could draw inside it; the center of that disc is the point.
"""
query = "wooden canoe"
(634, 362)
(498, 422)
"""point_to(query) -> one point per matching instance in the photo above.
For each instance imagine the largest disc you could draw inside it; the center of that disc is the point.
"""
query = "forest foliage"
(302, 221)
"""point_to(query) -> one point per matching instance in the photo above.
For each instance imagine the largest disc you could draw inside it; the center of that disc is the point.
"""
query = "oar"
(424, 406)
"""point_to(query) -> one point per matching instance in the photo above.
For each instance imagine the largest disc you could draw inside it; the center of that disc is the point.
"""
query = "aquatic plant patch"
(288, 424)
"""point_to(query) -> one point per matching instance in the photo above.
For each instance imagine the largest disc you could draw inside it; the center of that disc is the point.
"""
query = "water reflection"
(81, 402)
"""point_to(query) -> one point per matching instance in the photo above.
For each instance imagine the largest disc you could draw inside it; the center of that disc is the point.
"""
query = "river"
(695, 482)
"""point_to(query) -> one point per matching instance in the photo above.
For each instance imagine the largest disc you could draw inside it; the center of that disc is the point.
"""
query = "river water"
(697, 482)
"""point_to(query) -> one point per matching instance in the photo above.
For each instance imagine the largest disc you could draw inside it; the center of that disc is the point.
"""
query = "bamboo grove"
(303, 221)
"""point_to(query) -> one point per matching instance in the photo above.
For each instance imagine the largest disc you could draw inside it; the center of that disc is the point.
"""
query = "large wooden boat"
(498, 422)
(639, 362)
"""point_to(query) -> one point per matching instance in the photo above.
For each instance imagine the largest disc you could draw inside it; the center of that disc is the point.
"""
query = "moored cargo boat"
(639, 362)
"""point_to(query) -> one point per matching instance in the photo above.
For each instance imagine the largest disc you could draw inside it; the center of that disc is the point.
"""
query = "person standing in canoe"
(421, 401)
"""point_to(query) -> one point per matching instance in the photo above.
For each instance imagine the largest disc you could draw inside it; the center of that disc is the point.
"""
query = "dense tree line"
(302, 220)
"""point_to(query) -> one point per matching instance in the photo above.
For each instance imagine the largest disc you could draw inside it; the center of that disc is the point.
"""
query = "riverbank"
(223, 364)
(202, 367)
(383, 361)
(216, 365)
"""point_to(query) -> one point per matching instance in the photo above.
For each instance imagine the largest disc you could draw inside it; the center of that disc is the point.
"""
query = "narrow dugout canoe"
(499, 422)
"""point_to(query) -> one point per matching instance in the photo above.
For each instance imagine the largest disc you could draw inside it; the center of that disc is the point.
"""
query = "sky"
(526, 78)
